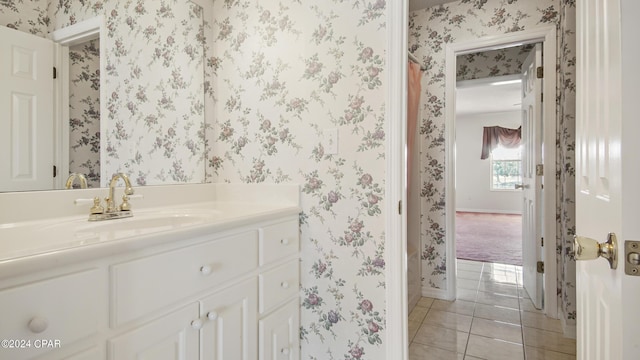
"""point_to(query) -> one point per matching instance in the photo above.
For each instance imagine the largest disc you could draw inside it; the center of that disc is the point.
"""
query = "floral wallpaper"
(565, 165)
(286, 71)
(154, 82)
(429, 30)
(84, 111)
(154, 87)
(25, 15)
(491, 63)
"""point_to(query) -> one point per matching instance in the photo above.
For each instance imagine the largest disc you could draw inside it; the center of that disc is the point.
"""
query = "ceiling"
(486, 98)
(422, 4)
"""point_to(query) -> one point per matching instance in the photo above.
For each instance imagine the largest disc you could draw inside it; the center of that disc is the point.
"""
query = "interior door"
(26, 102)
(607, 172)
(531, 181)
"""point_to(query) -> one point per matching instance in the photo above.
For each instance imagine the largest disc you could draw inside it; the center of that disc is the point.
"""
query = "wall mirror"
(130, 93)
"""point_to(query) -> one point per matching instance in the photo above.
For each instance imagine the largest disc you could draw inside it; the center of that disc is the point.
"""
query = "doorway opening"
(488, 177)
(546, 155)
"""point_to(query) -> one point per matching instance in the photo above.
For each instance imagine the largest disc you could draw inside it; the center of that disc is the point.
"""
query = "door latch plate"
(632, 258)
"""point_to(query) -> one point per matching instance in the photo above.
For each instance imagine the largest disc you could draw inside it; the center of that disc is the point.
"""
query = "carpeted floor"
(489, 237)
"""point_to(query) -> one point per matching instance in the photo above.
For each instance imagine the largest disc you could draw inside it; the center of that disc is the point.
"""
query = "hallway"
(492, 318)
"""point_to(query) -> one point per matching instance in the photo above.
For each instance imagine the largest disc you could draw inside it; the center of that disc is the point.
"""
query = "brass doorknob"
(588, 249)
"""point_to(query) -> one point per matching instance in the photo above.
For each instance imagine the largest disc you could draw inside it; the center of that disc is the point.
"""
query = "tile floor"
(493, 318)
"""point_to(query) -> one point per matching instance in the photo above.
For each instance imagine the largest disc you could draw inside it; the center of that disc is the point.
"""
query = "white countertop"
(28, 244)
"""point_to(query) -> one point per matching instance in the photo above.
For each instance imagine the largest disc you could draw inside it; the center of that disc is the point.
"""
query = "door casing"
(547, 36)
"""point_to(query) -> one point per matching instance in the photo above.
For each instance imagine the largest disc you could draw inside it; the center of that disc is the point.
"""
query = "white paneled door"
(531, 181)
(26, 111)
(607, 175)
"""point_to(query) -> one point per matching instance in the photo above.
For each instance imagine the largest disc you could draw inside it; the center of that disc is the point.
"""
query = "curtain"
(413, 105)
(496, 135)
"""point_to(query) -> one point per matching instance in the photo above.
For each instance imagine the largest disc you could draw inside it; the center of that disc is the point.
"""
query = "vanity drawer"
(61, 311)
(278, 284)
(142, 286)
(279, 241)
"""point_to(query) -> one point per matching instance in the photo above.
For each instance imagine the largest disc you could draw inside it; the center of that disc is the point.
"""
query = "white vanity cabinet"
(279, 286)
(230, 295)
(223, 325)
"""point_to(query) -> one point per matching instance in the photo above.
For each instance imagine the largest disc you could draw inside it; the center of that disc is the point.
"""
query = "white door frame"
(94, 28)
(546, 35)
(397, 316)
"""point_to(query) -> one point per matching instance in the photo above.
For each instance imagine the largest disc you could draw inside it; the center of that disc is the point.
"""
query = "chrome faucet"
(128, 190)
(72, 177)
(112, 212)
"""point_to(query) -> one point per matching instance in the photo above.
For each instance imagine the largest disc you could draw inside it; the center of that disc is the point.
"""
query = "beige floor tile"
(500, 277)
(549, 340)
(458, 306)
(499, 267)
(465, 274)
(425, 352)
(467, 357)
(418, 314)
(527, 305)
(497, 299)
(467, 284)
(498, 288)
(493, 312)
(466, 294)
(522, 293)
(540, 321)
(448, 320)
(469, 265)
(413, 329)
(519, 278)
(425, 302)
(542, 354)
(497, 330)
(442, 338)
(487, 348)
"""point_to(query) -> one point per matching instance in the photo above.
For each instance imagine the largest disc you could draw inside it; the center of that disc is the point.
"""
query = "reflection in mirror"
(84, 111)
(137, 95)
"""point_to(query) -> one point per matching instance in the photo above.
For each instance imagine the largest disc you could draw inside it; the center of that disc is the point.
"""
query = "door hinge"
(540, 72)
(55, 171)
(540, 170)
(400, 207)
(55, 73)
(541, 241)
(540, 267)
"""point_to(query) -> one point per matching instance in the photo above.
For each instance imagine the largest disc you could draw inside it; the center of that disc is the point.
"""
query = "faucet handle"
(125, 206)
(96, 208)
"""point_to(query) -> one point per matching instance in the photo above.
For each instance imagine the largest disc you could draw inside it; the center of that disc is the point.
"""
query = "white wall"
(472, 174)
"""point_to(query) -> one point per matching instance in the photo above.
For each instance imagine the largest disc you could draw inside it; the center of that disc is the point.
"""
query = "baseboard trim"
(569, 330)
(491, 211)
(435, 293)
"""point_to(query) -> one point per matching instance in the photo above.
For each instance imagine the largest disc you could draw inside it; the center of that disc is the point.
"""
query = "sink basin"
(77, 231)
(145, 223)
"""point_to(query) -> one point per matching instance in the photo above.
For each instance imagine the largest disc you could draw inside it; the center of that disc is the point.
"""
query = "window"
(506, 168)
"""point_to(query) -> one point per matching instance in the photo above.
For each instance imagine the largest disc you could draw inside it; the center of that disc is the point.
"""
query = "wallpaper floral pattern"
(25, 15)
(84, 111)
(286, 71)
(154, 81)
(565, 165)
(429, 31)
(491, 63)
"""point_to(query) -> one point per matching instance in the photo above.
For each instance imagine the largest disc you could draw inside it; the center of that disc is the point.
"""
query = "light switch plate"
(330, 141)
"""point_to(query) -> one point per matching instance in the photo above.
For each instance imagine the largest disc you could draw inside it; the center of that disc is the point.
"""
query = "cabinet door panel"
(169, 338)
(279, 338)
(230, 330)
